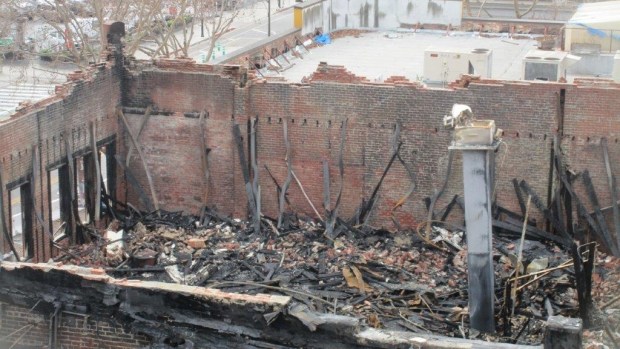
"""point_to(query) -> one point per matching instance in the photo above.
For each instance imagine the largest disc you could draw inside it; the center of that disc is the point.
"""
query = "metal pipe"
(477, 180)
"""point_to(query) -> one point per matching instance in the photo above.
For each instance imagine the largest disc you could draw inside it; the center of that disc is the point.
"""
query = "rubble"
(389, 280)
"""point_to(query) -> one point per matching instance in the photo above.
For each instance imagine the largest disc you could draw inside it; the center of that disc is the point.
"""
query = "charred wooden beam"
(606, 235)
(95, 153)
(134, 140)
(204, 153)
(8, 239)
(611, 180)
(531, 233)
(438, 193)
(332, 213)
(289, 175)
(145, 118)
(244, 169)
(134, 183)
(408, 169)
(542, 208)
(35, 178)
(75, 216)
(519, 194)
(583, 275)
(364, 212)
(255, 187)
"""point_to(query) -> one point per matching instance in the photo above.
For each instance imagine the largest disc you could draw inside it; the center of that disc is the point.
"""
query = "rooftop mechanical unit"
(446, 65)
(547, 65)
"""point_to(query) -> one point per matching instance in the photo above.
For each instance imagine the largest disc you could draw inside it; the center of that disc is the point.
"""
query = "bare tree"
(216, 18)
(518, 12)
(154, 27)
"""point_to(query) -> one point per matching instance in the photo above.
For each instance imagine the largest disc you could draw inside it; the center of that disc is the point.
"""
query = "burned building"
(336, 162)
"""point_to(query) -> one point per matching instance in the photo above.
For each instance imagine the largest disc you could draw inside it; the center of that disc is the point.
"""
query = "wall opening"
(81, 188)
(108, 171)
(20, 211)
(60, 202)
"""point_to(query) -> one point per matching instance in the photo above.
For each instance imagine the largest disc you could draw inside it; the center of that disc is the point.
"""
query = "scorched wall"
(47, 127)
(528, 113)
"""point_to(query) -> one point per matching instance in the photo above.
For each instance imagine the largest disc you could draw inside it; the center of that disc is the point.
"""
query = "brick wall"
(29, 329)
(527, 112)
(179, 90)
(317, 110)
(93, 97)
(172, 143)
(591, 113)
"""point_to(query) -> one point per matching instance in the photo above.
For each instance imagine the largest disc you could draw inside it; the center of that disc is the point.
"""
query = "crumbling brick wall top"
(187, 65)
(78, 77)
(335, 73)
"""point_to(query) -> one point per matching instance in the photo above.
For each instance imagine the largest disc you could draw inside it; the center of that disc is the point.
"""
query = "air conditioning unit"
(442, 66)
(547, 65)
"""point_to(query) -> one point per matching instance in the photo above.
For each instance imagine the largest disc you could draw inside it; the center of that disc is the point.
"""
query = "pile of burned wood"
(403, 280)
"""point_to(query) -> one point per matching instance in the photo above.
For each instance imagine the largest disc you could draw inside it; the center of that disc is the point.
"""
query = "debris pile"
(395, 280)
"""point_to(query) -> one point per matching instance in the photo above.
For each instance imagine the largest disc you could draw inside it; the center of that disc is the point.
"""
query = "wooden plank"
(255, 186)
(34, 180)
(519, 195)
(75, 217)
(437, 194)
(365, 211)
(607, 238)
(204, 156)
(244, 168)
(93, 146)
(145, 118)
(581, 210)
(333, 213)
(542, 208)
(289, 175)
(134, 182)
(141, 155)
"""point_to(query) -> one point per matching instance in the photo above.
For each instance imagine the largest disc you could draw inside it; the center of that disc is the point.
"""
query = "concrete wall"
(340, 14)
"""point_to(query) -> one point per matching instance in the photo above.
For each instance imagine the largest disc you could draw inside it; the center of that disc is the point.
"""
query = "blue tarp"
(323, 39)
(598, 32)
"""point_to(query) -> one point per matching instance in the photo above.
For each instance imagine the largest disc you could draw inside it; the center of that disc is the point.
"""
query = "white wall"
(389, 14)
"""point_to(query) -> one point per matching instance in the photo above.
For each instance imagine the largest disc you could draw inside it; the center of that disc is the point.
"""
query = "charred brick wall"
(178, 91)
(172, 141)
(526, 113)
(24, 328)
(591, 114)
(315, 111)
(91, 96)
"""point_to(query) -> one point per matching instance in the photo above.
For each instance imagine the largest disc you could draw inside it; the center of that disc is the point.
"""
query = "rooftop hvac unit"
(446, 65)
(547, 65)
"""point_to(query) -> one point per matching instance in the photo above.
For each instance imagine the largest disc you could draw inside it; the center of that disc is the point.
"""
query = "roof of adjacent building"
(382, 54)
(11, 96)
(597, 15)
